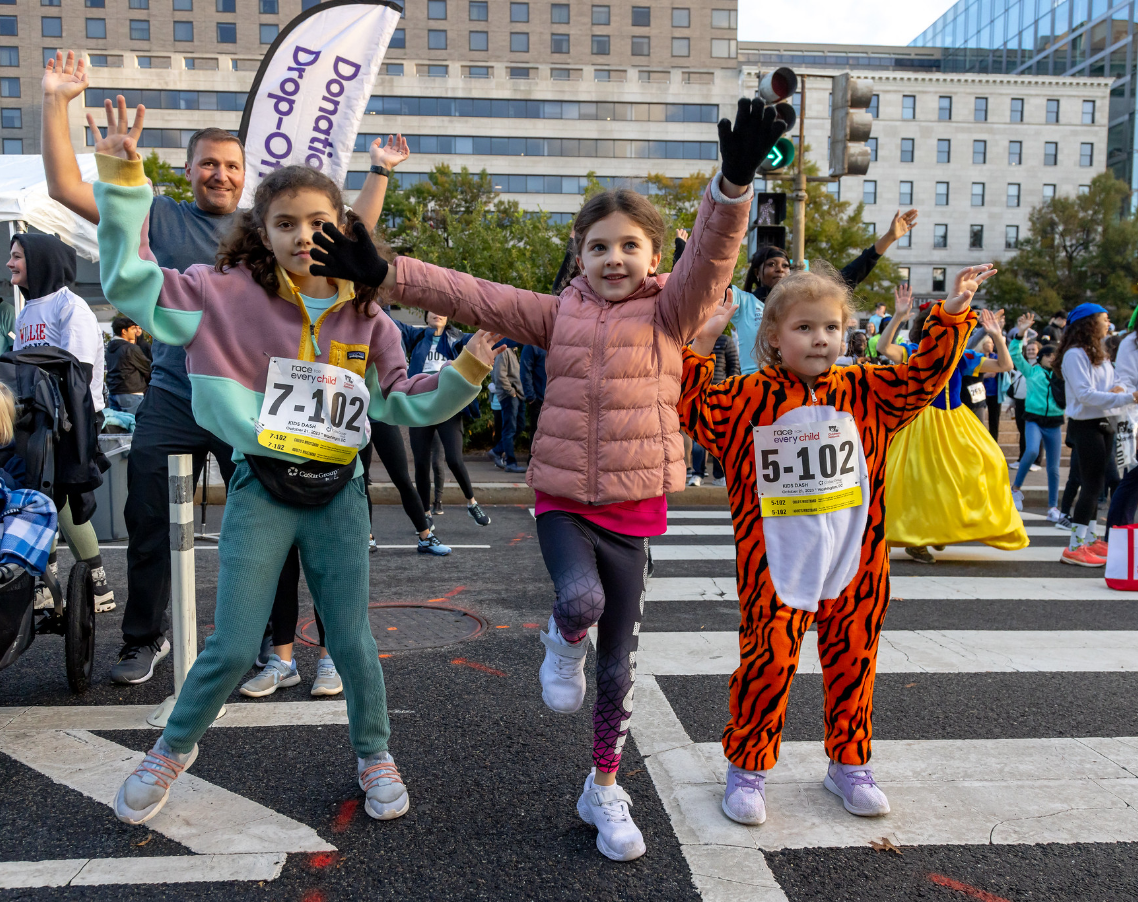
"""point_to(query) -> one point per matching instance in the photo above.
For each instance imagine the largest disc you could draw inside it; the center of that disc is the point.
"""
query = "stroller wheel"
(79, 627)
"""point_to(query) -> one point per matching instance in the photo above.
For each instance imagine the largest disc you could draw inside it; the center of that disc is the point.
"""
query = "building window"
(9, 26)
(641, 46)
(224, 6)
(398, 39)
(943, 150)
(559, 13)
(724, 18)
(48, 3)
(944, 109)
(871, 143)
(306, 5)
(1086, 154)
(723, 48)
(1017, 109)
(976, 237)
(869, 192)
(1015, 153)
(1084, 189)
(51, 26)
(9, 87)
(681, 17)
(834, 189)
(1050, 153)
(1052, 112)
(939, 277)
(479, 40)
(977, 194)
(1013, 194)
(139, 4)
(874, 105)
(1088, 112)
(905, 194)
(559, 43)
(183, 31)
(942, 194)
(479, 72)
(979, 152)
(907, 150)
(1011, 237)
(140, 30)
(393, 69)
(903, 271)
(980, 112)
(436, 9)
(90, 4)
(600, 44)
(11, 118)
(479, 10)
(870, 227)
(9, 57)
(905, 240)
(601, 15)
(909, 106)
(1048, 192)
(519, 42)
(267, 7)
(268, 33)
(681, 46)
(940, 235)
(519, 12)
(227, 32)
(13, 145)
(97, 29)
(519, 73)
(436, 71)
(436, 39)
(642, 16)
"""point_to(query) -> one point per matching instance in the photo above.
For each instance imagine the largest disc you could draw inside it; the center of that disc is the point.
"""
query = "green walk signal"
(781, 155)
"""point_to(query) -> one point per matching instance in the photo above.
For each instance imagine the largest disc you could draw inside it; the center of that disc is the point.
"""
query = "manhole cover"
(403, 627)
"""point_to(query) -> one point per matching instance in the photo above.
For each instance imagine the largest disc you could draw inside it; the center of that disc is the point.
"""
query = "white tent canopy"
(24, 198)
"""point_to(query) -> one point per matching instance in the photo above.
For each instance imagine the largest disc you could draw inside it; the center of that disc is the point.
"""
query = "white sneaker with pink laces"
(386, 795)
(145, 791)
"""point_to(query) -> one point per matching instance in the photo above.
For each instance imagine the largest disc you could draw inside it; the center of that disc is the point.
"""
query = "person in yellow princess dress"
(946, 479)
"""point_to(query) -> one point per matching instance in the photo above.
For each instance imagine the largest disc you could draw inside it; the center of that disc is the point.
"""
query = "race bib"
(977, 392)
(808, 468)
(314, 410)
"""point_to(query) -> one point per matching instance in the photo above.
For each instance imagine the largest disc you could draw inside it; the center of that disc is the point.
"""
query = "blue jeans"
(1049, 435)
(505, 446)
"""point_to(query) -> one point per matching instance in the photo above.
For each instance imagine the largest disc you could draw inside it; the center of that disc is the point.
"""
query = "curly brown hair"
(245, 244)
(1081, 334)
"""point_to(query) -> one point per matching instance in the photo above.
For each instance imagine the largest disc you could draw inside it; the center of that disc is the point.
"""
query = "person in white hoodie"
(1091, 394)
(42, 266)
(1124, 500)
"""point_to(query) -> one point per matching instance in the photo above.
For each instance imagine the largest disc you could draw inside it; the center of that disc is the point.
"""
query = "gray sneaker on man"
(136, 663)
(145, 791)
(277, 674)
(327, 680)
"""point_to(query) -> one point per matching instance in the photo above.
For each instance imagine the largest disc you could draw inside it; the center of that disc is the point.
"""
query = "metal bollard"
(183, 597)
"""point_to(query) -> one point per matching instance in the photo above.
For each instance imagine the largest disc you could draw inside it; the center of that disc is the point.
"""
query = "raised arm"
(990, 323)
(369, 202)
(1015, 347)
(902, 307)
(901, 225)
(703, 415)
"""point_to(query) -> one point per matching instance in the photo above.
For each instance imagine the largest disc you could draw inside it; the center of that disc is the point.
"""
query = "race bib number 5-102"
(808, 468)
(314, 410)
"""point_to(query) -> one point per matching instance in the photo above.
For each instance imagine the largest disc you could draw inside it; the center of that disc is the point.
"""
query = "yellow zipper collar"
(309, 350)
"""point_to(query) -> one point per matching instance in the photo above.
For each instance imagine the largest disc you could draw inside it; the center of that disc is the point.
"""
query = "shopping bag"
(1122, 559)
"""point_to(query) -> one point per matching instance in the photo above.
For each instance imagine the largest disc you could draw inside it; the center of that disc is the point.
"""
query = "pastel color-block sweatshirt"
(230, 327)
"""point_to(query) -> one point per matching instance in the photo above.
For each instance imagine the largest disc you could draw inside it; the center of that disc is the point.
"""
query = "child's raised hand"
(482, 346)
(391, 154)
(989, 322)
(965, 286)
(704, 343)
(902, 300)
(120, 141)
(682, 234)
(745, 145)
(1024, 324)
(336, 256)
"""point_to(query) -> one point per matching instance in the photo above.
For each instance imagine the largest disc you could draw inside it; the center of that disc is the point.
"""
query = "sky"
(840, 21)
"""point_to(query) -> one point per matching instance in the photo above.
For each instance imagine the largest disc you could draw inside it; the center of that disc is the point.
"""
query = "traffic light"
(850, 125)
(769, 210)
(781, 156)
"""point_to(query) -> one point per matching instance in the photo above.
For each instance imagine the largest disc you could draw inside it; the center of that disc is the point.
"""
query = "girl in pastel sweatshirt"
(608, 444)
(286, 367)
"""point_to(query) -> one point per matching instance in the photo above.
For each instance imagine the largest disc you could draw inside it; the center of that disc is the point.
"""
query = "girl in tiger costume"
(804, 444)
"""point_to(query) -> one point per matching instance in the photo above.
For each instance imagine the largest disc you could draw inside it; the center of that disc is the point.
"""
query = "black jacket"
(128, 368)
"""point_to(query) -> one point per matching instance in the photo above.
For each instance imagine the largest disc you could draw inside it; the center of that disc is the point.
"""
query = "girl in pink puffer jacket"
(608, 444)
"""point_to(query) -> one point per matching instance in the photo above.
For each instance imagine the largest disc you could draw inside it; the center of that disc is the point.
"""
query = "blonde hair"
(7, 415)
(823, 281)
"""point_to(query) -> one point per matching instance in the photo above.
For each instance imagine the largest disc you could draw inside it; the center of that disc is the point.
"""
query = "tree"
(165, 180)
(1077, 249)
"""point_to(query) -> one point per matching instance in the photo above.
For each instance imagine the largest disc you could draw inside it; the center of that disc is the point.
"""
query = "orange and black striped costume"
(881, 399)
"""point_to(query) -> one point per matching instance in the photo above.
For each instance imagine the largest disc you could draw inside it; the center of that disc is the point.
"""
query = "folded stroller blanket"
(29, 526)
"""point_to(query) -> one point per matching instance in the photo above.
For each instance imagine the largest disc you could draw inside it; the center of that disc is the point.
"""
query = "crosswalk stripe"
(970, 553)
(914, 651)
(150, 869)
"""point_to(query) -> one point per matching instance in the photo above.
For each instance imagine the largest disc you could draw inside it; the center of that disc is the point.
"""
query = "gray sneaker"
(136, 663)
(145, 791)
(379, 778)
(327, 681)
(273, 676)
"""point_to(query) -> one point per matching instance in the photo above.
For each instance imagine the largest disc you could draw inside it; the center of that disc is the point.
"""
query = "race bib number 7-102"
(808, 468)
(314, 410)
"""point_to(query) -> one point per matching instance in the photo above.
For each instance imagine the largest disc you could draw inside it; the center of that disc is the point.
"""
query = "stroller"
(55, 435)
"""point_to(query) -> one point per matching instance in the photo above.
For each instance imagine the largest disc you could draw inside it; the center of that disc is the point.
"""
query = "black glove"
(339, 257)
(757, 127)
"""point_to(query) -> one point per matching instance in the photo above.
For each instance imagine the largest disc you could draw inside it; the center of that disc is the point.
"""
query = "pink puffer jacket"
(608, 429)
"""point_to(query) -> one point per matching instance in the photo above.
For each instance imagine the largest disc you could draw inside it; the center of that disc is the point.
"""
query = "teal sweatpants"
(257, 532)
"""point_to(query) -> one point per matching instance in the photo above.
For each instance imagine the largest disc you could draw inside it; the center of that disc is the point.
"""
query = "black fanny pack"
(307, 484)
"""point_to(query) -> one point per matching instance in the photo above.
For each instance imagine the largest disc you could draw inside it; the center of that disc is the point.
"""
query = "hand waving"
(745, 145)
(482, 346)
(391, 154)
(902, 224)
(65, 78)
(119, 141)
(704, 343)
(902, 300)
(1024, 323)
(965, 286)
(989, 322)
(337, 256)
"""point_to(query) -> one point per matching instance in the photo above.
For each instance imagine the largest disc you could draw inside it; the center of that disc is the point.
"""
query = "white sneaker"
(744, 799)
(606, 808)
(273, 676)
(1035, 468)
(859, 792)
(1017, 499)
(562, 672)
(327, 680)
(720, 482)
(1054, 515)
(145, 791)
(695, 480)
(1014, 465)
(386, 796)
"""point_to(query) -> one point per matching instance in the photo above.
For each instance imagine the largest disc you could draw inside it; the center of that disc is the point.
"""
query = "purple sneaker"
(859, 791)
(744, 800)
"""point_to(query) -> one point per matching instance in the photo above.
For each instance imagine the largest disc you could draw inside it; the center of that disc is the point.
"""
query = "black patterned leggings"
(600, 577)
